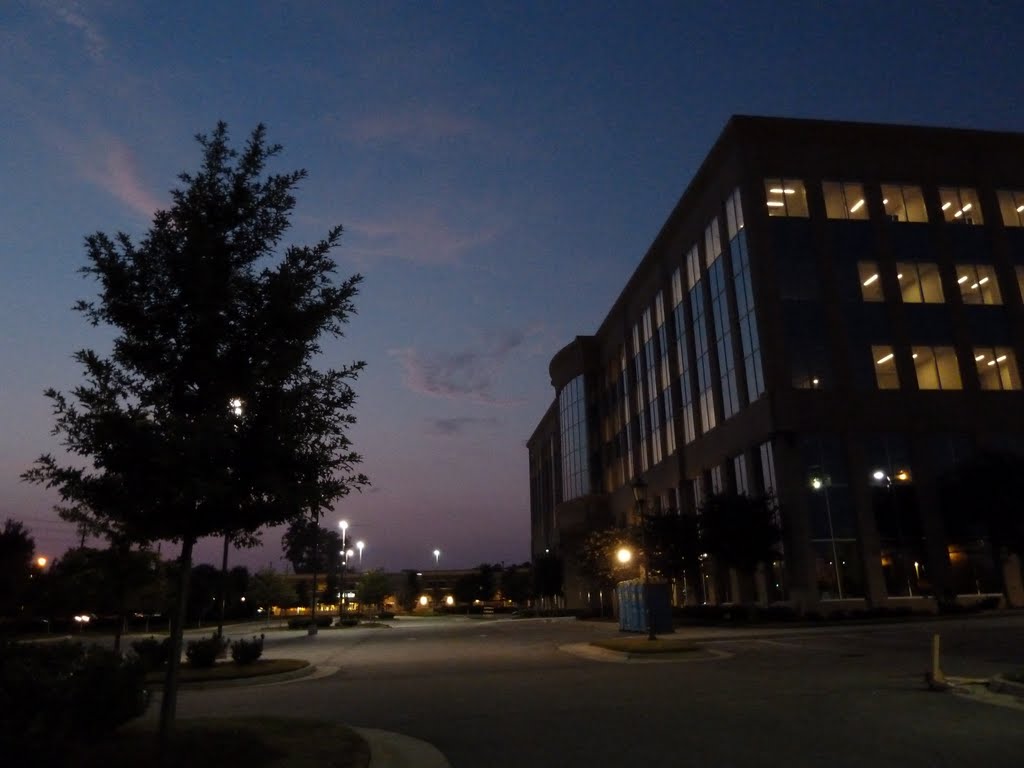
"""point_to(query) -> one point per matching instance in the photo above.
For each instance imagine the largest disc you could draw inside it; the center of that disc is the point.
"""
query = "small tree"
(598, 558)
(515, 584)
(372, 588)
(409, 592)
(311, 549)
(740, 531)
(205, 315)
(17, 549)
(548, 575)
(268, 588)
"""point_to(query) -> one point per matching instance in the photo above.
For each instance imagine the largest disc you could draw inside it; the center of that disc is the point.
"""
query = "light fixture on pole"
(343, 524)
(640, 495)
(359, 546)
(437, 557)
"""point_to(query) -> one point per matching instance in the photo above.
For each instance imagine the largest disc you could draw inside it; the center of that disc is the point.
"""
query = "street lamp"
(821, 482)
(640, 495)
(437, 557)
(359, 546)
(884, 480)
(624, 555)
(343, 524)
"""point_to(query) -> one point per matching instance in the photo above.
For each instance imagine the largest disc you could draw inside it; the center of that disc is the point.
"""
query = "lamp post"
(359, 546)
(640, 495)
(343, 524)
(819, 481)
(437, 557)
(883, 479)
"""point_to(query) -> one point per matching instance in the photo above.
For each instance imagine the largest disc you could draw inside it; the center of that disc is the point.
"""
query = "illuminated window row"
(920, 283)
(938, 368)
(902, 202)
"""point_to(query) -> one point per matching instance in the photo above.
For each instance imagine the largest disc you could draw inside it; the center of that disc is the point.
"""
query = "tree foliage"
(267, 588)
(309, 547)
(597, 555)
(740, 531)
(516, 584)
(208, 416)
(409, 592)
(674, 544)
(372, 587)
(982, 497)
(17, 549)
(548, 575)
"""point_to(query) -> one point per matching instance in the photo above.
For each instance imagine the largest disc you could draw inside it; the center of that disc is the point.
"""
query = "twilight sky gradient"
(499, 168)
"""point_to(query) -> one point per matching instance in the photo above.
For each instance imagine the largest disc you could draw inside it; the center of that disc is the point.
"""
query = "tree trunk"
(169, 701)
(313, 629)
(223, 586)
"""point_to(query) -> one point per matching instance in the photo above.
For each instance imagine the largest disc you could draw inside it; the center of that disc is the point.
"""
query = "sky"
(499, 169)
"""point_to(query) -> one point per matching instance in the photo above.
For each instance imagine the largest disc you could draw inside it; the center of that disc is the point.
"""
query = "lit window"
(870, 281)
(786, 197)
(997, 368)
(844, 200)
(978, 284)
(960, 205)
(885, 367)
(1011, 205)
(919, 283)
(903, 203)
(936, 367)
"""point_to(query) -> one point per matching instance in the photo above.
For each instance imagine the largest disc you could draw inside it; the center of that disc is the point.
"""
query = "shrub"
(302, 622)
(386, 615)
(152, 653)
(203, 653)
(247, 651)
(55, 694)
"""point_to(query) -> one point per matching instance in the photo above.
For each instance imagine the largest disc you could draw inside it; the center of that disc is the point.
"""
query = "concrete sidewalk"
(393, 750)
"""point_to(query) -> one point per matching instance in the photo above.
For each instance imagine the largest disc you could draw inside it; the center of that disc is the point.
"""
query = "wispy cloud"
(421, 236)
(71, 14)
(458, 425)
(469, 374)
(412, 127)
(111, 165)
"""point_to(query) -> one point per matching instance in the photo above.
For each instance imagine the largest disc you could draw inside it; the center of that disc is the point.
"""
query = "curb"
(593, 653)
(238, 682)
(999, 684)
(395, 750)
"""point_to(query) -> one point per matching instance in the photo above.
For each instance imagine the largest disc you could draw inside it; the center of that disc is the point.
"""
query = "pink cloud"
(111, 165)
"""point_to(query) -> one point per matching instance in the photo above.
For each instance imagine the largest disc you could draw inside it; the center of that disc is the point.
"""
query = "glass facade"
(639, 402)
(743, 285)
(705, 390)
(723, 333)
(664, 389)
(572, 414)
(686, 414)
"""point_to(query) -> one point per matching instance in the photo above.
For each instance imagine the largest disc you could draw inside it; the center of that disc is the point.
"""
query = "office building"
(831, 314)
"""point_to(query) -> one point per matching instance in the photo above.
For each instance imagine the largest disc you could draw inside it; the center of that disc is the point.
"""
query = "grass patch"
(641, 645)
(217, 742)
(228, 670)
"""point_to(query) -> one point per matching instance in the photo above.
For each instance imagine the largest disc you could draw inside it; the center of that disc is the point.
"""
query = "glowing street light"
(359, 546)
(437, 557)
(41, 561)
(624, 555)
